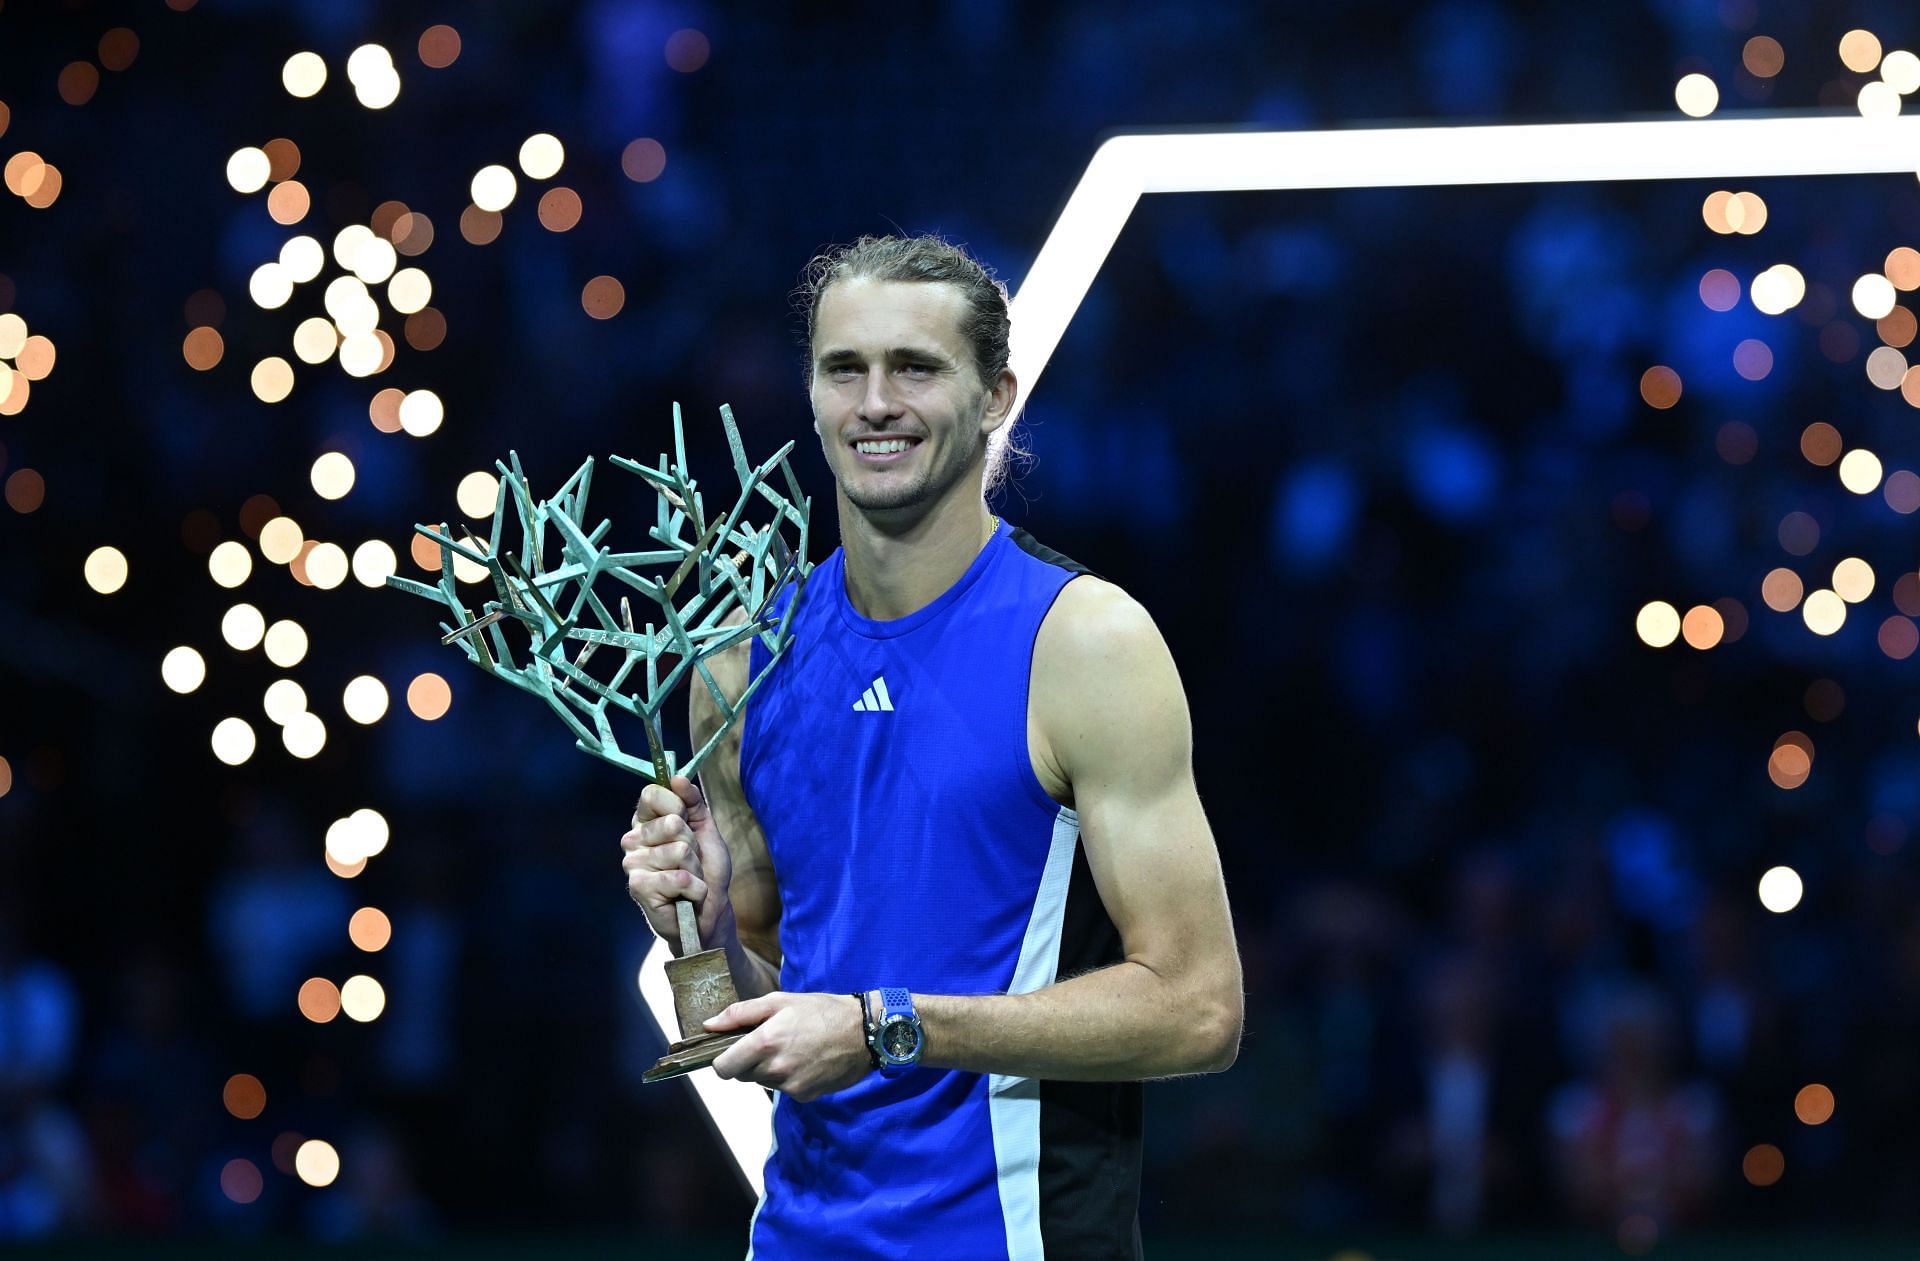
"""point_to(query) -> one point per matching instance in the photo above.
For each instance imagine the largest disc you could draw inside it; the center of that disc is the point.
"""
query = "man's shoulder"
(1095, 617)
(1098, 655)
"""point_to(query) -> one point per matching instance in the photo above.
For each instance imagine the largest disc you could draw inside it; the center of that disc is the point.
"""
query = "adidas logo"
(875, 699)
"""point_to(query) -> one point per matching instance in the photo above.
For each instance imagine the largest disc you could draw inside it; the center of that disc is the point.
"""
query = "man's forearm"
(1121, 1023)
(753, 975)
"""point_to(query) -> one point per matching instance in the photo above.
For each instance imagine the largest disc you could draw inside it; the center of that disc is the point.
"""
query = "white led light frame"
(1126, 168)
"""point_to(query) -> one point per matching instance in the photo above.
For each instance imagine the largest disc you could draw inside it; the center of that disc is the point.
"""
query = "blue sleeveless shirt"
(913, 846)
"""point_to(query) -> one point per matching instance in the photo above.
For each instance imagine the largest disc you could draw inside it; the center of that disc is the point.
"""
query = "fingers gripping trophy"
(713, 584)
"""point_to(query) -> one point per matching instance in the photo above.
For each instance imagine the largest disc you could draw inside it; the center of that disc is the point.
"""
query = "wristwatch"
(896, 1037)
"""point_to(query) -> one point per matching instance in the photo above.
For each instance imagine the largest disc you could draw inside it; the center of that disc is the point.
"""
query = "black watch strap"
(867, 1028)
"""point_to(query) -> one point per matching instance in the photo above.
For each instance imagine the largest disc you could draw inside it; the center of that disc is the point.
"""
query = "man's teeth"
(882, 446)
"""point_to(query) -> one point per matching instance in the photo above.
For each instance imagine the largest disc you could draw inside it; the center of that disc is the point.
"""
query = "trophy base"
(685, 1056)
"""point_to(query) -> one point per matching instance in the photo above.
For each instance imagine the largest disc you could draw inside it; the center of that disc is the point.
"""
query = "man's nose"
(879, 401)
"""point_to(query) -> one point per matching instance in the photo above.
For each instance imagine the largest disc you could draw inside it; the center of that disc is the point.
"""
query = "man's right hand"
(675, 853)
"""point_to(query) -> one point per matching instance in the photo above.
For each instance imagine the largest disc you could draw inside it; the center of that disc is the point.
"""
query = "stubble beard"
(932, 483)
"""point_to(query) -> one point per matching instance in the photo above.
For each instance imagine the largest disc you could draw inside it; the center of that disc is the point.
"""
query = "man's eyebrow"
(898, 354)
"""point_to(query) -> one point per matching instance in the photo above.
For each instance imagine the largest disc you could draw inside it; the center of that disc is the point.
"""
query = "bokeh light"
(284, 700)
(317, 1163)
(1790, 761)
(106, 569)
(1886, 368)
(541, 156)
(1896, 328)
(244, 1096)
(1853, 579)
(304, 735)
(315, 340)
(369, 929)
(332, 475)
(409, 290)
(233, 740)
(327, 566)
(183, 669)
(26, 490)
(248, 169)
(304, 74)
(1736, 442)
(1778, 289)
(1900, 70)
(493, 188)
(1873, 295)
(272, 379)
(1753, 359)
(1902, 267)
(559, 209)
(1660, 386)
(302, 257)
(240, 1180)
(1780, 889)
(1799, 533)
(1820, 443)
(319, 1000)
(1898, 637)
(477, 493)
(376, 82)
(429, 697)
(1720, 290)
(687, 50)
(286, 643)
(230, 564)
(1825, 700)
(421, 412)
(1824, 612)
(242, 627)
(1781, 590)
(1902, 491)
(1702, 627)
(365, 699)
(603, 297)
(78, 81)
(202, 348)
(288, 203)
(643, 160)
(280, 540)
(480, 227)
(1657, 624)
(362, 998)
(439, 46)
(118, 48)
(1860, 51)
(1763, 57)
(373, 562)
(1813, 1104)
(1860, 471)
(1878, 99)
(1763, 1165)
(1733, 617)
(426, 329)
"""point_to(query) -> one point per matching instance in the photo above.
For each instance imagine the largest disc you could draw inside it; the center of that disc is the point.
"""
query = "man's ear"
(1000, 400)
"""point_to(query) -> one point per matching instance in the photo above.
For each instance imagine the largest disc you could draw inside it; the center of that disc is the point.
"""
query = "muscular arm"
(751, 937)
(1114, 725)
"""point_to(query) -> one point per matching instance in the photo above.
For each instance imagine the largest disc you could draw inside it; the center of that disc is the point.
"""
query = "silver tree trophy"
(706, 570)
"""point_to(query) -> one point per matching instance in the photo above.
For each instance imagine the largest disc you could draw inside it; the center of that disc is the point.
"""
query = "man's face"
(898, 404)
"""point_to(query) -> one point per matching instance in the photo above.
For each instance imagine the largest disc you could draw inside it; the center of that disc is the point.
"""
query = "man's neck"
(898, 567)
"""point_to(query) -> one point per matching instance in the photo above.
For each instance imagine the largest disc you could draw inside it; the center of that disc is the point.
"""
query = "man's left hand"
(805, 1045)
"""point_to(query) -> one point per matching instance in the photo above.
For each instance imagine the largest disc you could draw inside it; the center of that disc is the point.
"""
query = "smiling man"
(954, 852)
